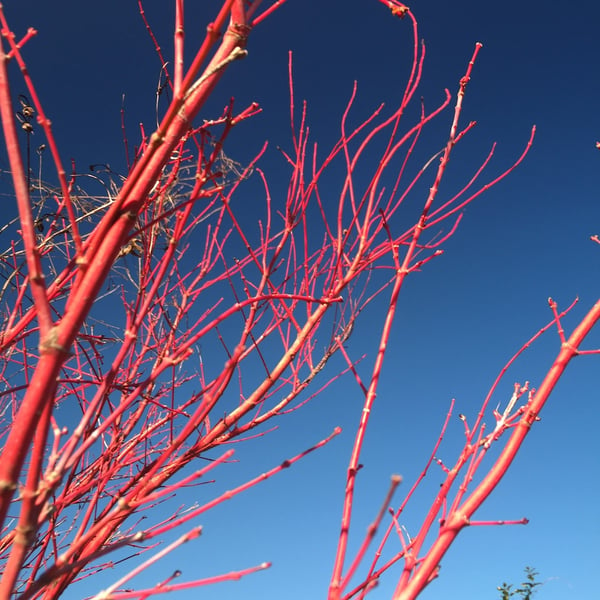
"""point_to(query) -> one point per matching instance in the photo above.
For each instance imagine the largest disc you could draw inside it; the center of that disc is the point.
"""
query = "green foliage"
(525, 591)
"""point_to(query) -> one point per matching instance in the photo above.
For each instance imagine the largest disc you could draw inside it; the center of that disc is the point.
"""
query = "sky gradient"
(459, 320)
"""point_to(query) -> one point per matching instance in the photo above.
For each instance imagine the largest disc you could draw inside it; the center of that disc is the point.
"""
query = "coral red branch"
(175, 587)
(460, 518)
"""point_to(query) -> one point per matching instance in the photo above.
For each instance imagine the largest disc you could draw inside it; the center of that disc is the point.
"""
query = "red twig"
(461, 517)
(222, 331)
(175, 587)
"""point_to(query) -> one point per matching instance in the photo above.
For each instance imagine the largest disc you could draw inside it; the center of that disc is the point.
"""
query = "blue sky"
(459, 321)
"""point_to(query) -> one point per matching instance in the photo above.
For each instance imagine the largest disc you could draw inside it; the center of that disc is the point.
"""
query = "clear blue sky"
(460, 320)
